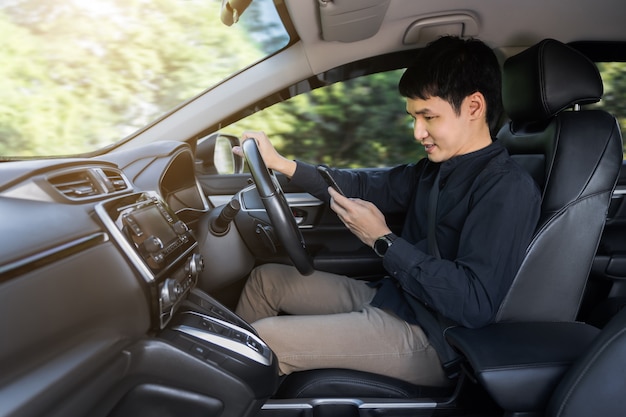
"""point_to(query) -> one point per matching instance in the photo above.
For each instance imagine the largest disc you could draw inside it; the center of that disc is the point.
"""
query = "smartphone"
(325, 173)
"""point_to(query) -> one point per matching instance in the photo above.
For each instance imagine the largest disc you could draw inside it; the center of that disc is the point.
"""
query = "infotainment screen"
(151, 228)
(150, 221)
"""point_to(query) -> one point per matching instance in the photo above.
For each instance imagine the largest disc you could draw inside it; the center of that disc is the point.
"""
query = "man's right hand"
(273, 160)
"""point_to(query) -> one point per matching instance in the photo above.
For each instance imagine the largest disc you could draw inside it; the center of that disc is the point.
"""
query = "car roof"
(373, 27)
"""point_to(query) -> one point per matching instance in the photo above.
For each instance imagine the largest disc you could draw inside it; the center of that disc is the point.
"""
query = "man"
(486, 212)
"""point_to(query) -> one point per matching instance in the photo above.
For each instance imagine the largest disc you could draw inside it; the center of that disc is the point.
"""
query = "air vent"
(114, 180)
(80, 184)
(76, 184)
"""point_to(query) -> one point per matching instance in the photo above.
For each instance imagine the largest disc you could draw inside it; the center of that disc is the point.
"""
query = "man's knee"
(268, 273)
(269, 330)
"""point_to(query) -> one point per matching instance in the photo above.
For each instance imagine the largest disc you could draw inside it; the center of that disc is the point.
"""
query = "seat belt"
(433, 248)
(435, 328)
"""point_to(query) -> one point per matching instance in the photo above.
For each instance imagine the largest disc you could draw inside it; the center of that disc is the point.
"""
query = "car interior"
(120, 269)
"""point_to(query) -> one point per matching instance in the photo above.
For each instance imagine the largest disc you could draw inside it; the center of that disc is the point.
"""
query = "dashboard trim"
(15, 269)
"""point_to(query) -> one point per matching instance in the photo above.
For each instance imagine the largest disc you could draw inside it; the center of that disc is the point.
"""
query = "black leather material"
(345, 383)
(596, 384)
(576, 157)
(520, 364)
(546, 79)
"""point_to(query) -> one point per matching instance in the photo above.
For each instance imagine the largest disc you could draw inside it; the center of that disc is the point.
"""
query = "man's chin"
(433, 158)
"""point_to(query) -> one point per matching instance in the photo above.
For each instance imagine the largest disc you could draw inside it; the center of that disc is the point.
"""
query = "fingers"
(266, 149)
(260, 137)
(238, 151)
(273, 160)
(334, 195)
(350, 209)
(361, 217)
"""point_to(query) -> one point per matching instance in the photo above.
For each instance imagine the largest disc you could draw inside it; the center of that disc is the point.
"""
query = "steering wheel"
(277, 209)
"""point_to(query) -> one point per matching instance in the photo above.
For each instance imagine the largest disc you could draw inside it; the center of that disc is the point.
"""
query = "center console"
(200, 345)
(158, 244)
(207, 330)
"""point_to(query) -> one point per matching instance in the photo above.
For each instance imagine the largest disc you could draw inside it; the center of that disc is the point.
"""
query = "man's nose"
(419, 130)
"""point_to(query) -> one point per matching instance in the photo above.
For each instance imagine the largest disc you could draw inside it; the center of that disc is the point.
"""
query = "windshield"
(78, 75)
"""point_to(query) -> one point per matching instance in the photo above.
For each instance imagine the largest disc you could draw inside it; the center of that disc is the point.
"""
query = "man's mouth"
(429, 147)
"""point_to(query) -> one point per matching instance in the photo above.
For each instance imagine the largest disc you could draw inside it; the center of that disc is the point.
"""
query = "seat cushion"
(345, 383)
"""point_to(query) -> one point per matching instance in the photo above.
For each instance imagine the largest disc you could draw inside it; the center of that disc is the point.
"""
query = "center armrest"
(519, 364)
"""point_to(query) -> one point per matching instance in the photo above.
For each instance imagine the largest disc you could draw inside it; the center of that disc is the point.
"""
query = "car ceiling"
(502, 24)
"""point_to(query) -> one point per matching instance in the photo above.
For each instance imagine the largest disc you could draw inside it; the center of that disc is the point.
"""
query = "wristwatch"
(383, 243)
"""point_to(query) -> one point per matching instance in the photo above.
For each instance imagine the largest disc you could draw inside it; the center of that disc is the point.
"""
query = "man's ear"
(476, 106)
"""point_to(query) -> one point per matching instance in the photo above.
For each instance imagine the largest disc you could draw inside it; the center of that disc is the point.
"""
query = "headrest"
(546, 79)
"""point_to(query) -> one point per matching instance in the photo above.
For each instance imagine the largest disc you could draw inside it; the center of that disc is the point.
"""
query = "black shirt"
(487, 211)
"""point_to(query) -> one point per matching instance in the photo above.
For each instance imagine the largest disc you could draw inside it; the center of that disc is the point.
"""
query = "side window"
(614, 99)
(358, 123)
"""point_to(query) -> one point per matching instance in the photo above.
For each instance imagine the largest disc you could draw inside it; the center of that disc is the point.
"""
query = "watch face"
(380, 246)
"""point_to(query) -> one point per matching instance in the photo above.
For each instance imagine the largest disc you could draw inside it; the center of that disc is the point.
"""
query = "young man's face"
(442, 132)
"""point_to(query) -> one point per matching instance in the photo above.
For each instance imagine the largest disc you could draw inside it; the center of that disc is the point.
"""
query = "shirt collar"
(446, 167)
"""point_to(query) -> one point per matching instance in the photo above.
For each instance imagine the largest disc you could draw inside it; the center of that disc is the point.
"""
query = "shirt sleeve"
(307, 178)
(493, 240)
(389, 189)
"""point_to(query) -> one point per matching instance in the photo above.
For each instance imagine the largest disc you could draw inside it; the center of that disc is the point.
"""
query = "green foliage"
(356, 123)
(361, 122)
(614, 99)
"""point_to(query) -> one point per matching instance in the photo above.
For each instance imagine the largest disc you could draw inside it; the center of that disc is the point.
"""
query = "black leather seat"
(575, 157)
(561, 370)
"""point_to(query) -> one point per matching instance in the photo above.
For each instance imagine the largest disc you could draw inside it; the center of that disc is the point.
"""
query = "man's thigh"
(273, 289)
(369, 340)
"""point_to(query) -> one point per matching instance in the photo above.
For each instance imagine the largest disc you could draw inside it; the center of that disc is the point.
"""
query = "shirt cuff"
(401, 257)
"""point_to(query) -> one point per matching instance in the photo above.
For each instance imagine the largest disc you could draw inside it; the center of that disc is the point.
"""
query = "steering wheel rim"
(281, 217)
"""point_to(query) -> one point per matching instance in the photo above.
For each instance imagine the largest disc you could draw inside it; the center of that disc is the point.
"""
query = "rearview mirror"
(232, 10)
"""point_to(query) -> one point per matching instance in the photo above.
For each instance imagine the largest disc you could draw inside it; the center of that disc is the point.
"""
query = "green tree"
(356, 123)
(80, 75)
(614, 98)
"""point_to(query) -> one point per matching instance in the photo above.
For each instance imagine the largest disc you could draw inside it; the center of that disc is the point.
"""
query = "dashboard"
(99, 266)
(61, 207)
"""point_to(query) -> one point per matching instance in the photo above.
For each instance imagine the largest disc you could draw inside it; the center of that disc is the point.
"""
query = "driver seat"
(575, 157)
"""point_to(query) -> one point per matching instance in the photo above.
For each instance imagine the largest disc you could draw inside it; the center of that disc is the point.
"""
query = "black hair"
(452, 68)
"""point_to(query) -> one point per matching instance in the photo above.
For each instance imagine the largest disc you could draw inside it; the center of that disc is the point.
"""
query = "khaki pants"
(326, 321)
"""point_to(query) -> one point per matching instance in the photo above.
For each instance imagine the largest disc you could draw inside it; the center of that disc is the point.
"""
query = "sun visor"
(351, 20)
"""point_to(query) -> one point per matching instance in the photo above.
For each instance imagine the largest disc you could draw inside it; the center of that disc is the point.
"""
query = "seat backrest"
(575, 157)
